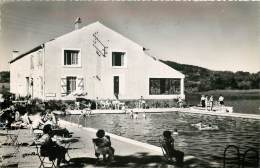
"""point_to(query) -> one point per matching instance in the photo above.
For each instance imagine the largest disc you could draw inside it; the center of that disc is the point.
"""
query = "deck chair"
(231, 157)
(171, 155)
(165, 152)
(250, 158)
(42, 154)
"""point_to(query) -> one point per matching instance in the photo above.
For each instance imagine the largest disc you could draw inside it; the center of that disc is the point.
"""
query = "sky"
(215, 35)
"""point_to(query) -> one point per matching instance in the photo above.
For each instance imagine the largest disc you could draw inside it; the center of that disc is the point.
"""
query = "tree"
(4, 77)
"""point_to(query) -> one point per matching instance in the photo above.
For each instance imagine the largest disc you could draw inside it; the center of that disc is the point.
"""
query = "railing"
(245, 161)
(252, 160)
(232, 160)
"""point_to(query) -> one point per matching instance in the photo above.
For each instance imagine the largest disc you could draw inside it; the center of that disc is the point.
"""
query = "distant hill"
(203, 79)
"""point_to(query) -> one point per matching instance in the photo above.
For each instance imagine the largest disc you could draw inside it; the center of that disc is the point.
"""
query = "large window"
(118, 59)
(71, 57)
(71, 84)
(164, 86)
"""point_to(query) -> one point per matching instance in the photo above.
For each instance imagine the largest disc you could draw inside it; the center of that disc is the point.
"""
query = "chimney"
(15, 53)
(77, 23)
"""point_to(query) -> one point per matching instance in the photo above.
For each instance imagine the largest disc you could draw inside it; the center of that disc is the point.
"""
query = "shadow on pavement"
(137, 160)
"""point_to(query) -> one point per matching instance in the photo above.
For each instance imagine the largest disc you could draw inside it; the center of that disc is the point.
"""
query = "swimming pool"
(208, 145)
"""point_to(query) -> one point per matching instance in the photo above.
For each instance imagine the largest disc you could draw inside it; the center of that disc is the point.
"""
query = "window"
(164, 86)
(118, 59)
(71, 57)
(71, 84)
(32, 63)
(40, 57)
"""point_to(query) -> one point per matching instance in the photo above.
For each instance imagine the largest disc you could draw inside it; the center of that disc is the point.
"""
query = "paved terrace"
(129, 153)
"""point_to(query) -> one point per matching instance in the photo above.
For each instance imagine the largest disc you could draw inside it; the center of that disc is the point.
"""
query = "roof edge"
(28, 52)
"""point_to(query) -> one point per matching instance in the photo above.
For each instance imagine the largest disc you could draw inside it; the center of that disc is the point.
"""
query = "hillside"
(202, 79)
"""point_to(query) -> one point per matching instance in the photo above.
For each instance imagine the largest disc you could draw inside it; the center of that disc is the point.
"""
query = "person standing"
(221, 100)
(211, 100)
(202, 101)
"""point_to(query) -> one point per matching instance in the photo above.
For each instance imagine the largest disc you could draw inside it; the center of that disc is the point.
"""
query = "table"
(65, 142)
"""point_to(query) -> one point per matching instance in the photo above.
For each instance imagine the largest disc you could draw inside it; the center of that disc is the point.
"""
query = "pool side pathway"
(129, 153)
(183, 110)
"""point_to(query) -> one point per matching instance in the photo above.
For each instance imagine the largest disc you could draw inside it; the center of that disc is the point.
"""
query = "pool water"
(208, 145)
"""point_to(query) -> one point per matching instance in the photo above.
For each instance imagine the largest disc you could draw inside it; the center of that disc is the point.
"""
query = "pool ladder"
(241, 160)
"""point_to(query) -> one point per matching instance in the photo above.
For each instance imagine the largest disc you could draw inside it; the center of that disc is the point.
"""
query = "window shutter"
(63, 86)
(122, 59)
(80, 84)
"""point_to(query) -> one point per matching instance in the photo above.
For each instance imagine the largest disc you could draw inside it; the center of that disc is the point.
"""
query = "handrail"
(238, 154)
(245, 154)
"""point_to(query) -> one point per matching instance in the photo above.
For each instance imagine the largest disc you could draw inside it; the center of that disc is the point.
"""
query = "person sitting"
(103, 146)
(168, 145)
(50, 148)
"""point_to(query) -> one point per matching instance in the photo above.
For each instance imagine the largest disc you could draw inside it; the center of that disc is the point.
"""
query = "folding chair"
(171, 155)
(42, 154)
(12, 138)
(165, 152)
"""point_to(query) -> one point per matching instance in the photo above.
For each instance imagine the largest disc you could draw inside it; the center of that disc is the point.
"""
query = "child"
(103, 145)
(136, 115)
(131, 114)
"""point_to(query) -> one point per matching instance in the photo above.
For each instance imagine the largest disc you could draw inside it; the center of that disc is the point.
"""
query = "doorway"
(116, 86)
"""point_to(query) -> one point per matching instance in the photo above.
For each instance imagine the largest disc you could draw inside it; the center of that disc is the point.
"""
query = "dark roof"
(28, 52)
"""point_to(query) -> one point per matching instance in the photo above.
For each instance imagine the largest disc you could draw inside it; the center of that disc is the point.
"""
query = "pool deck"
(128, 152)
(192, 110)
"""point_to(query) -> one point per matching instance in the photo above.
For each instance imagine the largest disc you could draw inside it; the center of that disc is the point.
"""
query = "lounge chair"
(165, 152)
(171, 155)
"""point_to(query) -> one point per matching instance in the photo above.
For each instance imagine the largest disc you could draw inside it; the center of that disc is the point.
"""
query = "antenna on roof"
(147, 53)
(77, 23)
(15, 53)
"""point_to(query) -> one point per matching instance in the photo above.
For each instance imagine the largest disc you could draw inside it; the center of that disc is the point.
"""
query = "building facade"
(95, 60)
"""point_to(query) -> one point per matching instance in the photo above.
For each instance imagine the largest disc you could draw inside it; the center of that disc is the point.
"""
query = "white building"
(95, 60)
